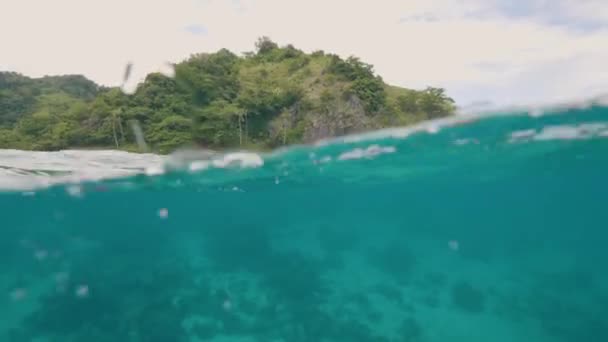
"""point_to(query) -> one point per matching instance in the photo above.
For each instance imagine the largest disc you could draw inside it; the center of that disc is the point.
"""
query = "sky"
(504, 52)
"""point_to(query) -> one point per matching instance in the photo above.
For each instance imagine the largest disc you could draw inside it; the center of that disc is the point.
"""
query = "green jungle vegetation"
(261, 100)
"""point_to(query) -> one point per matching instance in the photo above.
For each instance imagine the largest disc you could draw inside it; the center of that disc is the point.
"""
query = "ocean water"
(475, 228)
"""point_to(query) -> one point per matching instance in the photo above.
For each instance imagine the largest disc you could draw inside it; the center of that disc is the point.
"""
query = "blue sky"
(504, 52)
(196, 29)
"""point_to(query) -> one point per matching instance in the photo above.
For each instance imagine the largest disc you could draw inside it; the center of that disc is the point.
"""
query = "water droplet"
(127, 74)
(139, 136)
(128, 86)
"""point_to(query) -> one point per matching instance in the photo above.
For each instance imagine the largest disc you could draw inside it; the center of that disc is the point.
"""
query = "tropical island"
(264, 99)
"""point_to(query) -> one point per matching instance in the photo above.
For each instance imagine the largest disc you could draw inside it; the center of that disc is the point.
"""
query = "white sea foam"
(562, 132)
(27, 171)
(523, 134)
(239, 159)
(155, 170)
(199, 165)
(370, 152)
(465, 141)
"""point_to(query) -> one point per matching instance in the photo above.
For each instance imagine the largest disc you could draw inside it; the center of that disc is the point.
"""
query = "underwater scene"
(471, 228)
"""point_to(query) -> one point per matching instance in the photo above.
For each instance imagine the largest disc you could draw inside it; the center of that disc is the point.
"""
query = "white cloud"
(478, 50)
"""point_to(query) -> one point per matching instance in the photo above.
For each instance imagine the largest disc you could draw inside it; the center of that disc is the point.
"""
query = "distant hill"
(267, 98)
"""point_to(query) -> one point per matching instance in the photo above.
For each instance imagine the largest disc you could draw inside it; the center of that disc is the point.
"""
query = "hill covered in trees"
(263, 99)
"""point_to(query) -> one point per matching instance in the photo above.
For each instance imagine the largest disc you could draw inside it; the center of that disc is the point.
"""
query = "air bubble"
(82, 291)
(163, 213)
(74, 190)
(227, 305)
(41, 255)
(18, 294)
(454, 245)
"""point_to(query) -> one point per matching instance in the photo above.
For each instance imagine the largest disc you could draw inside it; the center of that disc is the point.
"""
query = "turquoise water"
(490, 230)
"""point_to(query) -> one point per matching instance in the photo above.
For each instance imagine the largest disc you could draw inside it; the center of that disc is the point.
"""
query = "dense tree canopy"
(273, 96)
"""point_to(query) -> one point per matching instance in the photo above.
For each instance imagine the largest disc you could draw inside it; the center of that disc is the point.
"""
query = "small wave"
(26, 170)
(370, 152)
(562, 132)
(239, 159)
